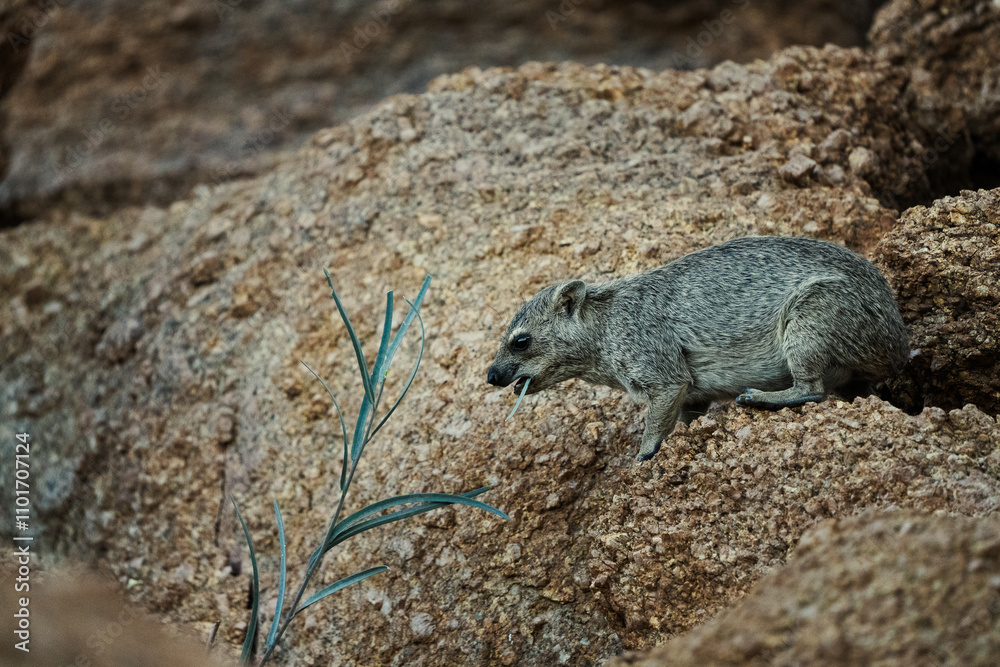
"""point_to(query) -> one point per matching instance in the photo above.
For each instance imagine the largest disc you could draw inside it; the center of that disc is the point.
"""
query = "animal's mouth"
(519, 383)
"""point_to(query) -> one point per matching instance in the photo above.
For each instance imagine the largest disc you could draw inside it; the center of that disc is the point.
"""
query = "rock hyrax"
(774, 322)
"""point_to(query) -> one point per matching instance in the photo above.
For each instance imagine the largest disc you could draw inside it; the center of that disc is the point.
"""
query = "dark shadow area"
(902, 392)
(9, 217)
(984, 172)
(965, 163)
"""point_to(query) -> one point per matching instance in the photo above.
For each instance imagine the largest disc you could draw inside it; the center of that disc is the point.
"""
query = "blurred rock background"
(128, 102)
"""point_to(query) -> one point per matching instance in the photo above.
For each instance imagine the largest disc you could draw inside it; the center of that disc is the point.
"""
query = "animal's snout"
(496, 378)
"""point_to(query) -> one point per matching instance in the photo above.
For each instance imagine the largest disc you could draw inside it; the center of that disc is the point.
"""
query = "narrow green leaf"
(358, 443)
(407, 499)
(383, 346)
(334, 538)
(524, 390)
(273, 634)
(398, 515)
(416, 366)
(252, 625)
(358, 352)
(343, 426)
(392, 517)
(414, 310)
(340, 584)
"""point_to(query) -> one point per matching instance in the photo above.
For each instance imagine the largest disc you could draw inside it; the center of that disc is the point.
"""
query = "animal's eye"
(521, 343)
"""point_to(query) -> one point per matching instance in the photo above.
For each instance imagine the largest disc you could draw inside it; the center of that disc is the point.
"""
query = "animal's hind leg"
(810, 337)
(796, 395)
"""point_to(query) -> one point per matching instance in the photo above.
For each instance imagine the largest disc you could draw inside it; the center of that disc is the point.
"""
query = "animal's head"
(544, 341)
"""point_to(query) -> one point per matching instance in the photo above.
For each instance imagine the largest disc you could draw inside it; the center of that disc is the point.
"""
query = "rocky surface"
(79, 618)
(950, 48)
(896, 589)
(135, 102)
(737, 489)
(943, 262)
(153, 354)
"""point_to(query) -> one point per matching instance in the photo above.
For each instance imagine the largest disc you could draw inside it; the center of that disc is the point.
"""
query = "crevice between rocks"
(968, 166)
(985, 169)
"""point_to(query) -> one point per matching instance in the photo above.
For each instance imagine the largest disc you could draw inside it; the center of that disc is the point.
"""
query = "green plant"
(368, 517)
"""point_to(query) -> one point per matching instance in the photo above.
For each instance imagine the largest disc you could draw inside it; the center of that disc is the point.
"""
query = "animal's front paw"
(646, 453)
(747, 397)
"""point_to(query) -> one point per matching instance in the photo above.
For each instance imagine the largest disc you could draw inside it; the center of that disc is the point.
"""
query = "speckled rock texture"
(944, 263)
(154, 357)
(950, 47)
(889, 589)
(735, 490)
(136, 101)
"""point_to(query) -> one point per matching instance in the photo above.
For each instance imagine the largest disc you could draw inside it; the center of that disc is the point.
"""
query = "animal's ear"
(569, 297)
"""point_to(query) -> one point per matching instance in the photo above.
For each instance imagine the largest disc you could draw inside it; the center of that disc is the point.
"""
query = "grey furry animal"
(775, 322)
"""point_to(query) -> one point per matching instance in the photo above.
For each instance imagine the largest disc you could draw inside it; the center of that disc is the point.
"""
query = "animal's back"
(743, 283)
(728, 304)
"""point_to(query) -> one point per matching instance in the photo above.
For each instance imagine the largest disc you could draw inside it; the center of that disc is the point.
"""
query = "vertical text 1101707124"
(22, 541)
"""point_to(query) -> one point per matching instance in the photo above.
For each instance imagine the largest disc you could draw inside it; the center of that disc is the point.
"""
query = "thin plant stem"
(313, 565)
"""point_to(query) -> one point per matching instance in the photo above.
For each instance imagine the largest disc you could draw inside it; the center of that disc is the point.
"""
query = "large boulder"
(75, 617)
(949, 47)
(943, 261)
(153, 355)
(889, 589)
(680, 540)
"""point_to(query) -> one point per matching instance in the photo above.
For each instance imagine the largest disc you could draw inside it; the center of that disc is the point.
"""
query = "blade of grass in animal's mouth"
(526, 381)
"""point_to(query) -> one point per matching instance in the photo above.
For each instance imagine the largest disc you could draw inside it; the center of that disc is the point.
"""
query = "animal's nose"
(493, 377)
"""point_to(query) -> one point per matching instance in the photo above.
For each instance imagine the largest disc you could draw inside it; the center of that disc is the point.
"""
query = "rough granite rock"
(891, 589)
(950, 47)
(944, 262)
(136, 102)
(154, 357)
(733, 492)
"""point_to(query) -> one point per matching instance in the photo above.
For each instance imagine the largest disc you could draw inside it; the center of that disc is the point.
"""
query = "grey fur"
(793, 318)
